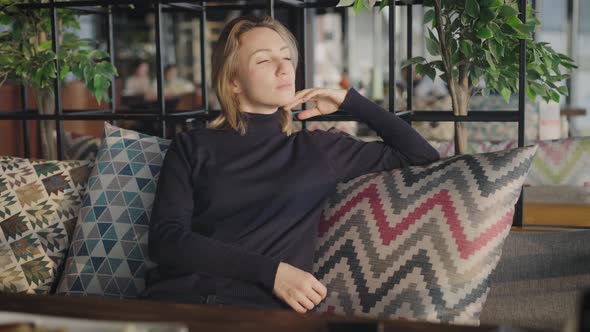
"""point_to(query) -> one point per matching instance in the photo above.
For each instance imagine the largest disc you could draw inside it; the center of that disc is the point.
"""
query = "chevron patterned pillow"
(419, 242)
(561, 162)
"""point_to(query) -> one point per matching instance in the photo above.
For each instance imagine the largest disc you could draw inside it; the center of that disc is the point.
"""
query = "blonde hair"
(224, 67)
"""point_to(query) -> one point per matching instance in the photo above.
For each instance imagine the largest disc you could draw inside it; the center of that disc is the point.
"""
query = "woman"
(238, 203)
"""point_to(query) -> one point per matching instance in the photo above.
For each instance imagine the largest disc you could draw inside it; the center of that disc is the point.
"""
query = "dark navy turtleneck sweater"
(229, 208)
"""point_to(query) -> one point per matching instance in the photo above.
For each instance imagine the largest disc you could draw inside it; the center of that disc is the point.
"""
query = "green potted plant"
(26, 55)
(478, 41)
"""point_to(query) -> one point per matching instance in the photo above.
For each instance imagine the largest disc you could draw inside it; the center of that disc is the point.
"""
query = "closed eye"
(261, 61)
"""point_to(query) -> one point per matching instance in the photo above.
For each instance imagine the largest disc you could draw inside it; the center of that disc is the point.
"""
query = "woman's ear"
(236, 87)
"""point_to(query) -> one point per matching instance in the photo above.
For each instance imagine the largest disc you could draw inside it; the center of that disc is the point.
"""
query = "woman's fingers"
(301, 97)
(296, 99)
(305, 302)
(308, 113)
(296, 306)
(320, 289)
(314, 297)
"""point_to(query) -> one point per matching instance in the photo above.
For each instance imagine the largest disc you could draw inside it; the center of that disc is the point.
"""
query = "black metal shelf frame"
(107, 7)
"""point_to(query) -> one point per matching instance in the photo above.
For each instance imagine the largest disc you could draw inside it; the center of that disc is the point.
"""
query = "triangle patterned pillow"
(108, 254)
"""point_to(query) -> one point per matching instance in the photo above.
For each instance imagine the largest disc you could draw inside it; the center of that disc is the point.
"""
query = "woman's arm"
(351, 157)
(171, 241)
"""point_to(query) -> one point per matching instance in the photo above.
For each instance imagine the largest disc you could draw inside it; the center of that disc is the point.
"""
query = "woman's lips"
(284, 85)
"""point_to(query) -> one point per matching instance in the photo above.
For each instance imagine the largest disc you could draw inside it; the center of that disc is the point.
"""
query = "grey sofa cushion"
(539, 279)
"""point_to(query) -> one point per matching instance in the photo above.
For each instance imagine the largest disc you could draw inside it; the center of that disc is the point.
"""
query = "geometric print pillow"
(39, 205)
(108, 254)
(561, 162)
(419, 242)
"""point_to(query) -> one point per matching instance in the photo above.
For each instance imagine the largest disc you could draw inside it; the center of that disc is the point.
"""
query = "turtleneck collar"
(264, 123)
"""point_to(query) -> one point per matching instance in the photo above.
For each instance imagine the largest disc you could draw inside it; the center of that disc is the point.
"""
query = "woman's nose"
(283, 68)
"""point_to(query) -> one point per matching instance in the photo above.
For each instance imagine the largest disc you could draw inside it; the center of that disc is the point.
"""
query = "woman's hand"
(299, 289)
(326, 101)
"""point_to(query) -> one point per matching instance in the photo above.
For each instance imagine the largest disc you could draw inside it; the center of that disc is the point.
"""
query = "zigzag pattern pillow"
(39, 205)
(108, 255)
(561, 162)
(419, 242)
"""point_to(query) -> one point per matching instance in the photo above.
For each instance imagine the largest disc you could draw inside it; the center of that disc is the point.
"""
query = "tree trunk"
(459, 88)
(46, 105)
(460, 94)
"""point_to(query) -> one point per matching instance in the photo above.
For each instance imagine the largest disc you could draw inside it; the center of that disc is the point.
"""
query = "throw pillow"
(39, 205)
(419, 242)
(561, 162)
(108, 255)
(80, 147)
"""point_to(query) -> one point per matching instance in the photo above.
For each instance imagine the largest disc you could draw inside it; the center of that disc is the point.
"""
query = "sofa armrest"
(539, 279)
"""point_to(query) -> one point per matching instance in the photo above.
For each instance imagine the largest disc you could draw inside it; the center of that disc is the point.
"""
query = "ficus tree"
(26, 55)
(476, 48)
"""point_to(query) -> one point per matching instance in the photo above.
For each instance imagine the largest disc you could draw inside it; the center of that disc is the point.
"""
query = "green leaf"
(490, 61)
(565, 57)
(100, 83)
(5, 19)
(538, 88)
(563, 90)
(505, 92)
(104, 68)
(412, 61)
(438, 64)
(507, 11)
(484, 33)
(554, 96)
(487, 15)
(63, 71)
(496, 48)
(428, 16)
(533, 75)
(344, 3)
(432, 44)
(358, 6)
(99, 54)
(419, 69)
(45, 45)
(514, 22)
(50, 70)
(88, 74)
(495, 4)
(429, 71)
(472, 8)
(530, 93)
(485, 92)
(98, 95)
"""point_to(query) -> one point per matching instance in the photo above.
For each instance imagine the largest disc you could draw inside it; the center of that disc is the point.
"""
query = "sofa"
(79, 227)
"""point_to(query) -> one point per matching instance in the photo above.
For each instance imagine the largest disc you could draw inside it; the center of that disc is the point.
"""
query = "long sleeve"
(171, 242)
(351, 157)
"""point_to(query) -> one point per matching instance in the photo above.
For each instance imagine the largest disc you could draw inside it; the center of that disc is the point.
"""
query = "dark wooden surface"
(200, 317)
(205, 317)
